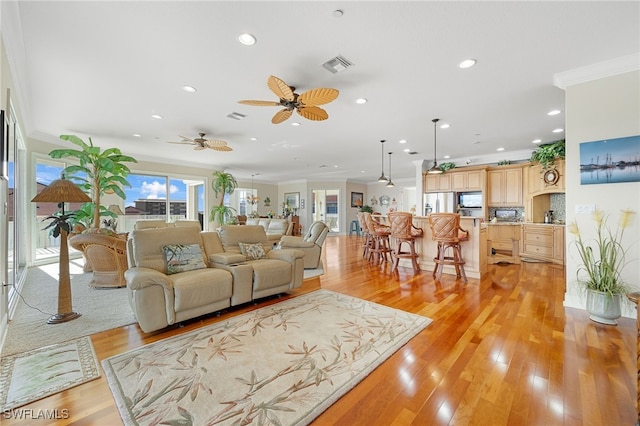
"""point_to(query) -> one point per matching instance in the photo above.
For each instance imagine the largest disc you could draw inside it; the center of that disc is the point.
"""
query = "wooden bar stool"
(403, 232)
(446, 230)
(379, 234)
(367, 235)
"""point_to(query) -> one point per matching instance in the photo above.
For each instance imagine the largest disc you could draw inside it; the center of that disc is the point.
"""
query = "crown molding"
(597, 71)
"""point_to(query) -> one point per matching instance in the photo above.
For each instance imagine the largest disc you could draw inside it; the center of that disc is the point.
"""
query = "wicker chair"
(379, 240)
(446, 230)
(106, 255)
(403, 232)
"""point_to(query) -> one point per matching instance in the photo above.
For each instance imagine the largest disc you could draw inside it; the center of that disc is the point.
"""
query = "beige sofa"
(275, 228)
(225, 278)
(276, 272)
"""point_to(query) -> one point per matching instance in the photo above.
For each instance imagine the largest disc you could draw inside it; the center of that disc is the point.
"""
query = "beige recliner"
(271, 271)
(310, 244)
(160, 299)
(275, 228)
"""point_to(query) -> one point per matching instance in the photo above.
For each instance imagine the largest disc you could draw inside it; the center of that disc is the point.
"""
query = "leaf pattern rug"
(32, 375)
(281, 364)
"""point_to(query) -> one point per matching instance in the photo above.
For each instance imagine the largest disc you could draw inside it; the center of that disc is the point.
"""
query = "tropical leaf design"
(276, 365)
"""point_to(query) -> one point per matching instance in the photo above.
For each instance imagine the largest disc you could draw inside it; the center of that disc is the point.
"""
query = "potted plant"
(546, 154)
(366, 209)
(98, 172)
(223, 183)
(603, 260)
(447, 166)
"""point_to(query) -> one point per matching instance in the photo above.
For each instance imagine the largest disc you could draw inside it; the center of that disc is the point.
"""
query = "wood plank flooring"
(501, 351)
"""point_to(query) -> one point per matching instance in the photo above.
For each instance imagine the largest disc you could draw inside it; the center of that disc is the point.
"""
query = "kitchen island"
(473, 250)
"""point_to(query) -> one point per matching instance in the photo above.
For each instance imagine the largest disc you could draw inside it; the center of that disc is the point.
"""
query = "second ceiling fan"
(202, 143)
(306, 104)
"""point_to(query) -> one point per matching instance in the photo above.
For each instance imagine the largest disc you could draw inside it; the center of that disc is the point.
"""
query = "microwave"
(468, 200)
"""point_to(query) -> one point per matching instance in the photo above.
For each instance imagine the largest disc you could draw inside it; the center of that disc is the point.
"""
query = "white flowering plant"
(604, 257)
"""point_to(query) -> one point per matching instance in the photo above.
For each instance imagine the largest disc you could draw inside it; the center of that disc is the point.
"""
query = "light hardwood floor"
(501, 351)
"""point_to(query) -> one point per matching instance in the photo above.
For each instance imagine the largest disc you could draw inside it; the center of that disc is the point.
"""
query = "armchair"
(310, 244)
(106, 255)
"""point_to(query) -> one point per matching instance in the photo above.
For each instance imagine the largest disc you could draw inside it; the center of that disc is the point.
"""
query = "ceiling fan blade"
(184, 138)
(182, 143)
(214, 143)
(259, 103)
(313, 113)
(281, 116)
(319, 96)
(280, 88)
(223, 148)
(199, 147)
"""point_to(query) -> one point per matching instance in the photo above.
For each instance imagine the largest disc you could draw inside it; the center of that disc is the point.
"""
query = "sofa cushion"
(183, 257)
(252, 251)
(269, 273)
(148, 245)
(232, 235)
(201, 287)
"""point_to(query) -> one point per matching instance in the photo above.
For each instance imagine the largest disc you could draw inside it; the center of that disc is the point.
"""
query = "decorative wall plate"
(551, 176)
(384, 200)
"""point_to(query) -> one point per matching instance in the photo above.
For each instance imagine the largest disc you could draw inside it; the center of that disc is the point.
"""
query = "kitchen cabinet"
(543, 242)
(437, 182)
(541, 181)
(505, 187)
(470, 180)
(503, 243)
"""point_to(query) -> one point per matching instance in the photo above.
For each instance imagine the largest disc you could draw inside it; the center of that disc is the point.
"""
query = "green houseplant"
(546, 154)
(603, 260)
(223, 183)
(97, 172)
(447, 166)
(366, 209)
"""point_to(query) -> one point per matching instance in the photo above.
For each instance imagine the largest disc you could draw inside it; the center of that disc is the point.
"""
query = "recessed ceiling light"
(445, 126)
(247, 39)
(554, 112)
(536, 141)
(189, 89)
(336, 166)
(253, 139)
(447, 156)
(156, 117)
(295, 124)
(406, 150)
(361, 101)
(402, 141)
(363, 171)
(558, 130)
(500, 149)
(337, 13)
(467, 63)
(136, 135)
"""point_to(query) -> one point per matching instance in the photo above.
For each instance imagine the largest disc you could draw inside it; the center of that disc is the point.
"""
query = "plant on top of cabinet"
(546, 154)
(447, 166)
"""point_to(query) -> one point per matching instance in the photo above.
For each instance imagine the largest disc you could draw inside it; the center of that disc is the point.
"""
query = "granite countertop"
(525, 223)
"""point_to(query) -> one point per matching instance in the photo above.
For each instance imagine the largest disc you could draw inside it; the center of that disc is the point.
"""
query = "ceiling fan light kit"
(305, 104)
(435, 169)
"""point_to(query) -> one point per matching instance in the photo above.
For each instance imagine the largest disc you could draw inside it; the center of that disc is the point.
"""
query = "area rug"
(101, 309)
(312, 273)
(33, 375)
(281, 364)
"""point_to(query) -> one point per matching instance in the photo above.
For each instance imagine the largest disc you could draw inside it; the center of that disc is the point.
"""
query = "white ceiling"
(101, 69)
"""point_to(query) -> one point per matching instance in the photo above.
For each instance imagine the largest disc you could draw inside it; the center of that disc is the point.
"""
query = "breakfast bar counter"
(475, 257)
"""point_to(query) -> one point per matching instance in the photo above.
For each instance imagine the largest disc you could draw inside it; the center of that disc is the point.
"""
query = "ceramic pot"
(603, 307)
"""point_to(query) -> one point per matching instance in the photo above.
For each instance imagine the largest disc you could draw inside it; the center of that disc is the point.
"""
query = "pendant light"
(253, 200)
(382, 177)
(435, 169)
(390, 183)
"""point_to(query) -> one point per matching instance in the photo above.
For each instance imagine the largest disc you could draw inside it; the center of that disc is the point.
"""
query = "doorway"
(326, 207)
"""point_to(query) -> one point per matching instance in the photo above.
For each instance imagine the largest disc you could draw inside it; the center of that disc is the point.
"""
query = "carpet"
(281, 364)
(33, 375)
(312, 273)
(101, 309)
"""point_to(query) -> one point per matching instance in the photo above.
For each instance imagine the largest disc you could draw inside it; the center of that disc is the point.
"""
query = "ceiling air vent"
(236, 116)
(337, 64)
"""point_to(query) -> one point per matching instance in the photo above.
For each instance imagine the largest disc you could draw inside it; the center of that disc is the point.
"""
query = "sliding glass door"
(326, 207)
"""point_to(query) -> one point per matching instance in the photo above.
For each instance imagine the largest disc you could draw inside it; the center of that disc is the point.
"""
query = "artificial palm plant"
(223, 183)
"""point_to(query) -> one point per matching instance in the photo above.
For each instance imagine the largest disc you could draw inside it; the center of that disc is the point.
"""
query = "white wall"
(606, 108)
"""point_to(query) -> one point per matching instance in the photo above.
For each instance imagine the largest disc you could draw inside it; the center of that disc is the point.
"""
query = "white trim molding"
(597, 71)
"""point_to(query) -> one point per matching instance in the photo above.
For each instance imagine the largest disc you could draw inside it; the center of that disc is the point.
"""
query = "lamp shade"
(61, 191)
(114, 208)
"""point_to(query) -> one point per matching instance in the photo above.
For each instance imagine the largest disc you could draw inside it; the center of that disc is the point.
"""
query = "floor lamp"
(62, 191)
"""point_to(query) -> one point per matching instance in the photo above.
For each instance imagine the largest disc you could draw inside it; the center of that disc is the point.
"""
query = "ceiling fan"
(305, 104)
(202, 143)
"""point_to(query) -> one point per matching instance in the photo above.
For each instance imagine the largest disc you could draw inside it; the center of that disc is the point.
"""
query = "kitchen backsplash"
(559, 206)
(519, 212)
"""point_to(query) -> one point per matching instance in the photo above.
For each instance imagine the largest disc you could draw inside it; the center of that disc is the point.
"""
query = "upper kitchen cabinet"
(505, 187)
(468, 180)
(437, 182)
(544, 181)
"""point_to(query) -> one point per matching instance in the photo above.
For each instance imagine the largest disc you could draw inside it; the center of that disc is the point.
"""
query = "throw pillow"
(252, 251)
(183, 257)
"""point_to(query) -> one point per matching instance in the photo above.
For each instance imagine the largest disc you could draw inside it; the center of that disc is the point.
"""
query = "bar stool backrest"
(402, 225)
(445, 227)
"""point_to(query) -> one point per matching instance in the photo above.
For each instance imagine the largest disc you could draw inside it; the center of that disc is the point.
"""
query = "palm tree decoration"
(223, 183)
(97, 173)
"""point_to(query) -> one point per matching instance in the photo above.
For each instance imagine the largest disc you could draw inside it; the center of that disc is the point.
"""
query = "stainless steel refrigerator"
(439, 202)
